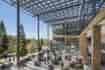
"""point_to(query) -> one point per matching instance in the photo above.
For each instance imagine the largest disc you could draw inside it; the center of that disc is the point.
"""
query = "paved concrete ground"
(30, 66)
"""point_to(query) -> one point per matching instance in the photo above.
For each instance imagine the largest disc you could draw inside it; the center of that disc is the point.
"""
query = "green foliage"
(12, 49)
(3, 38)
(34, 50)
(1, 49)
(2, 29)
(41, 42)
(59, 31)
(5, 42)
(22, 49)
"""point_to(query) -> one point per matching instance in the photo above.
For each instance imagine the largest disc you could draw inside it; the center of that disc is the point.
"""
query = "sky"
(8, 15)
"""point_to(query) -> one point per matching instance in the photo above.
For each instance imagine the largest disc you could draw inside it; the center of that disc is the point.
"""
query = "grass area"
(2, 61)
(12, 49)
(34, 50)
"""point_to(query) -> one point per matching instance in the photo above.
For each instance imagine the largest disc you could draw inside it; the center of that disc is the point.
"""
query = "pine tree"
(3, 38)
(22, 50)
(2, 29)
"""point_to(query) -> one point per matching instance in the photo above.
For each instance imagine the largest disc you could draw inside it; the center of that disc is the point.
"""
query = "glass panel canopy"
(59, 11)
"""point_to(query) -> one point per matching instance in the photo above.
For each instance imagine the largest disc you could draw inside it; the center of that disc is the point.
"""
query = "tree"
(41, 42)
(3, 38)
(22, 48)
(2, 29)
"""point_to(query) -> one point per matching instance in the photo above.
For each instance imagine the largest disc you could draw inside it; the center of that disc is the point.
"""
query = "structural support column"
(84, 47)
(38, 33)
(96, 57)
(18, 31)
(48, 35)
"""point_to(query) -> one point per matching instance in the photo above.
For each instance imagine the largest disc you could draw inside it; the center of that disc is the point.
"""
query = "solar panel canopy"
(74, 12)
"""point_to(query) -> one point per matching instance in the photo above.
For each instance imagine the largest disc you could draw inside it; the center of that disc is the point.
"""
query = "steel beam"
(59, 9)
(38, 33)
(53, 10)
(13, 5)
(18, 31)
(48, 35)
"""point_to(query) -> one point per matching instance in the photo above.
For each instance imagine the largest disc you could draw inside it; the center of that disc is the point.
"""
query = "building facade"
(66, 36)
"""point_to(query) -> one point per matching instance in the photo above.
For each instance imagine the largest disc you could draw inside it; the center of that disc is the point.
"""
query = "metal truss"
(60, 11)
